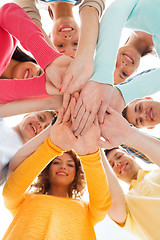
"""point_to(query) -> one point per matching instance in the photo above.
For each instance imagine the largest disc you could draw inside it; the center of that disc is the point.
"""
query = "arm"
(99, 196)
(143, 84)
(116, 130)
(118, 211)
(14, 21)
(29, 6)
(30, 105)
(24, 175)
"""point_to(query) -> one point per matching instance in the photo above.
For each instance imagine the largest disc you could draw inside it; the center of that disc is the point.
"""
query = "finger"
(110, 110)
(89, 122)
(60, 116)
(66, 81)
(67, 115)
(77, 107)
(76, 95)
(79, 118)
(66, 100)
(105, 144)
(101, 113)
(82, 124)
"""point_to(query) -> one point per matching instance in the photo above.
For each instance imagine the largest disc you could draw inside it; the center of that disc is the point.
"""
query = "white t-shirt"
(10, 142)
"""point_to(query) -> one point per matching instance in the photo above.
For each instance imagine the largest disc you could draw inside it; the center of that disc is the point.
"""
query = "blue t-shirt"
(75, 2)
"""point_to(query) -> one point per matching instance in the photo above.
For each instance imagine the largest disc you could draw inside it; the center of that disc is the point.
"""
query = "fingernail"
(74, 130)
(74, 117)
(80, 134)
(103, 121)
(60, 89)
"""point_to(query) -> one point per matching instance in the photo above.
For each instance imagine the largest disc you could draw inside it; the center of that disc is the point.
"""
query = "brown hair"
(78, 185)
(106, 151)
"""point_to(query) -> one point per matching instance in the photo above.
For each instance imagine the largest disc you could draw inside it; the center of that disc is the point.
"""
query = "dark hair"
(77, 187)
(106, 151)
(20, 56)
(124, 113)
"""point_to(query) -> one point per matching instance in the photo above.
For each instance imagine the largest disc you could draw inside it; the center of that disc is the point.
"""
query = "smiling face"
(65, 36)
(143, 112)
(34, 123)
(123, 165)
(21, 70)
(62, 171)
(128, 59)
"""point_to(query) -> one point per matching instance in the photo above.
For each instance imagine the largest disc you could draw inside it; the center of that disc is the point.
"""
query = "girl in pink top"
(26, 79)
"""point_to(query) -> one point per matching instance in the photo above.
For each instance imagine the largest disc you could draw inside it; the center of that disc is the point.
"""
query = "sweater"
(15, 24)
(140, 15)
(46, 217)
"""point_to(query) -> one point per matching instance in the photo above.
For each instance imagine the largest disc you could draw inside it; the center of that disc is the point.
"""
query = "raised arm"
(15, 24)
(116, 130)
(99, 196)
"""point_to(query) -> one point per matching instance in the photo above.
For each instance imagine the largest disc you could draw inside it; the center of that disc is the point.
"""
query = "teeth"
(62, 174)
(66, 29)
(26, 74)
(128, 58)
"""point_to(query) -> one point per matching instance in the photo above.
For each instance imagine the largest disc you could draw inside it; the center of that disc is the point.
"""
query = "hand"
(115, 129)
(88, 143)
(55, 72)
(117, 102)
(61, 134)
(94, 99)
(76, 76)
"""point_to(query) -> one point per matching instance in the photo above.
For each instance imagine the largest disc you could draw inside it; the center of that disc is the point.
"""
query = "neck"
(141, 41)
(61, 9)
(20, 134)
(59, 191)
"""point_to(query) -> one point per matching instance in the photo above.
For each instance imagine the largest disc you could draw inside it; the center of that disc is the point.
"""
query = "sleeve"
(98, 4)
(110, 30)
(15, 21)
(24, 175)
(29, 6)
(143, 84)
(99, 196)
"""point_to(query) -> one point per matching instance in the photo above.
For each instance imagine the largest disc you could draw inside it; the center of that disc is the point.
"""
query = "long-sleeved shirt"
(134, 14)
(49, 217)
(15, 24)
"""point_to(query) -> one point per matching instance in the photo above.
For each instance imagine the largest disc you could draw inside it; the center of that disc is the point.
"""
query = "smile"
(66, 29)
(34, 128)
(151, 114)
(62, 173)
(26, 75)
(123, 167)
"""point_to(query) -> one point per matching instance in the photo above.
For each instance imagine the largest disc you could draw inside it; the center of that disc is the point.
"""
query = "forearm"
(30, 105)
(118, 211)
(24, 175)
(99, 196)
(89, 27)
(27, 149)
(141, 85)
(146, 144)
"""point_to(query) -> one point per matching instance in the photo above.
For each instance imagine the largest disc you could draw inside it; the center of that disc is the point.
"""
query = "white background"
(106, 229)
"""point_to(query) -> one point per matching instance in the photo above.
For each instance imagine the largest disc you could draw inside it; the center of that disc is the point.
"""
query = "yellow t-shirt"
(143, 203)
(45, 217)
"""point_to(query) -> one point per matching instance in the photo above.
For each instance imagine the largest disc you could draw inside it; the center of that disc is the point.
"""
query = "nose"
(124, 63)
(41, 126)
(63, 166)
(118, 162)
(67, 37)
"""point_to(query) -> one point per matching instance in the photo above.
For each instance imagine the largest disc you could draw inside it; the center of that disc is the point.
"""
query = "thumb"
(66, 81)
(66, 100)
(110, 110)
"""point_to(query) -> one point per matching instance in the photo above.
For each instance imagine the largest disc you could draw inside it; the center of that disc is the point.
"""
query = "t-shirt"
(10, 142)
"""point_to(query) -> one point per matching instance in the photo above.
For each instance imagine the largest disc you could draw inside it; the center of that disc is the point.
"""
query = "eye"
(40, 72)
(141, 120)
(70, 165)
(140, 107)
(124, 74)
(112, 165)
(61, 45)
(56, 162)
